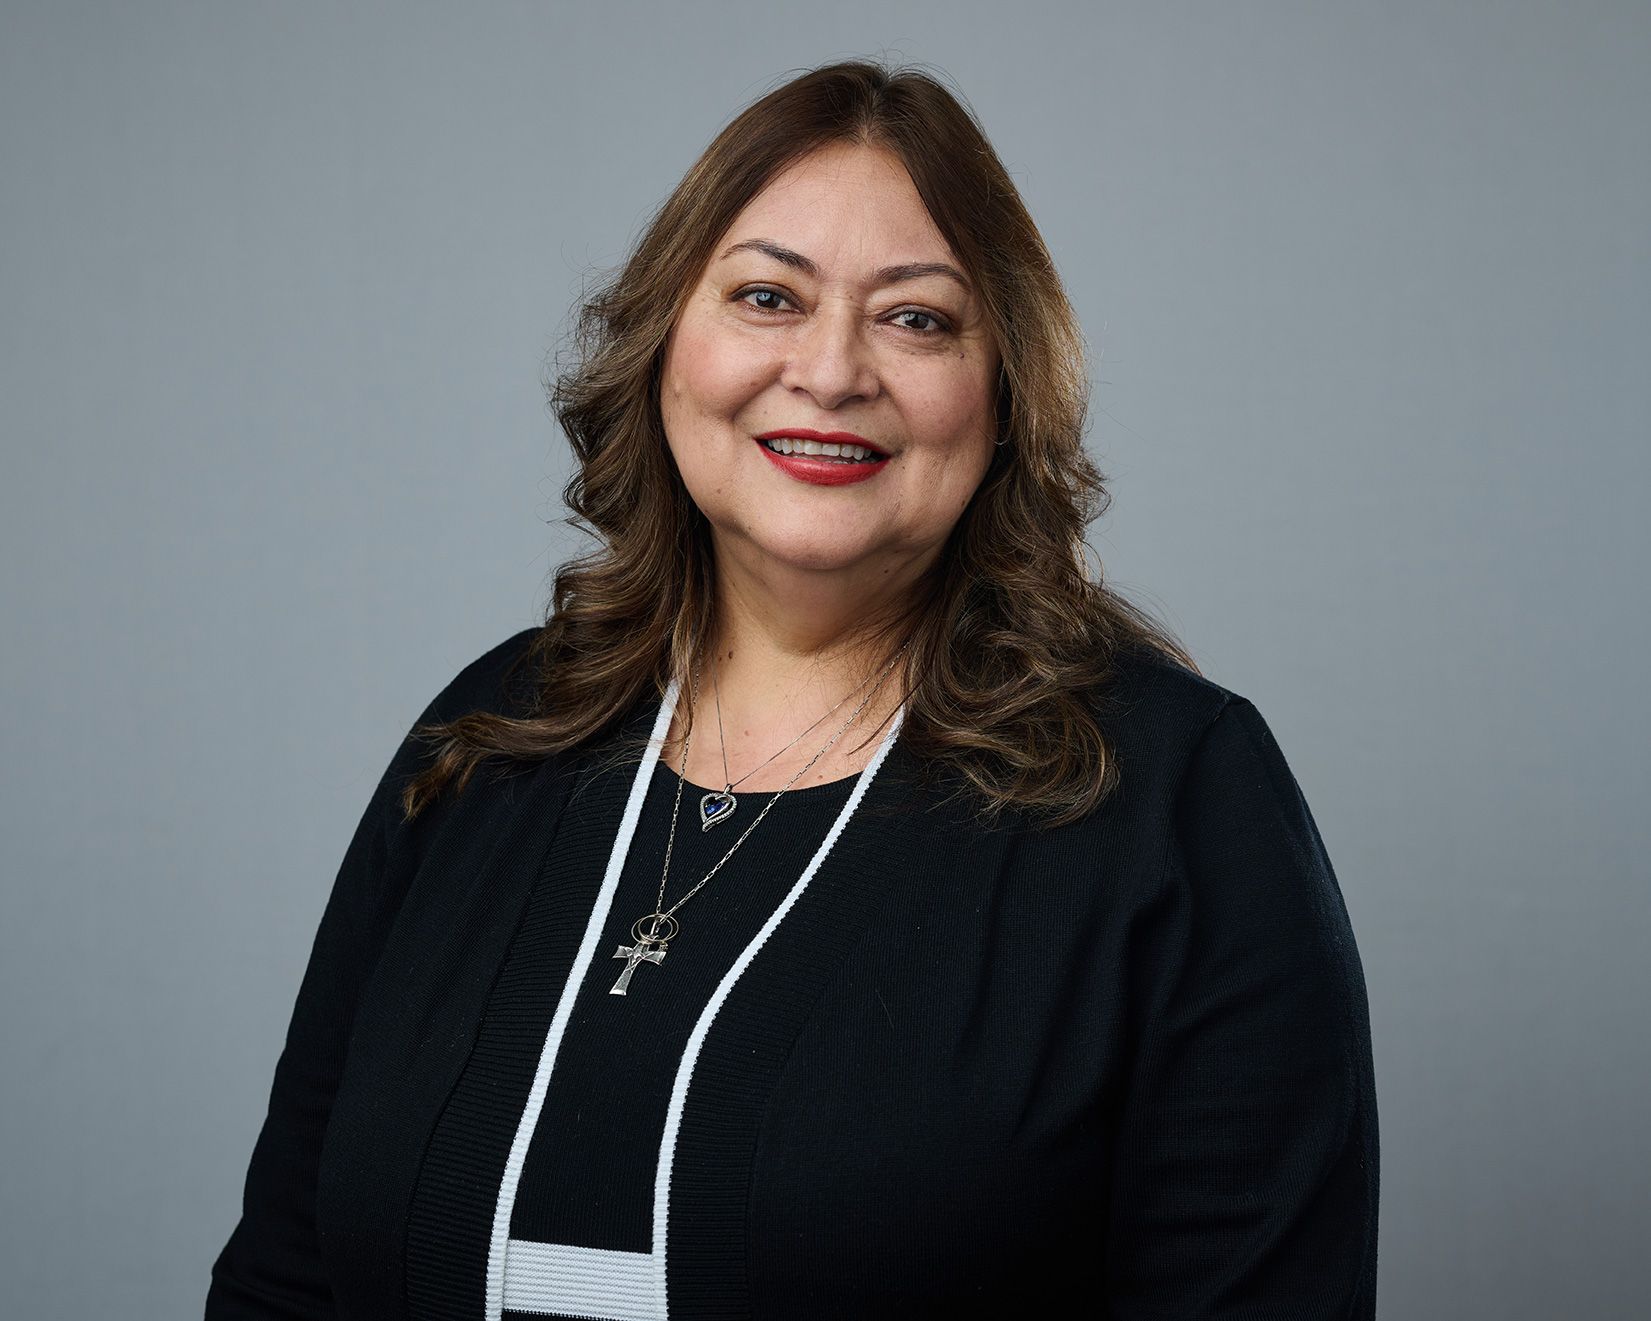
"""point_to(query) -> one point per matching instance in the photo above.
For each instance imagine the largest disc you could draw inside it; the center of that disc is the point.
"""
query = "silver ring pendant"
(655, 921)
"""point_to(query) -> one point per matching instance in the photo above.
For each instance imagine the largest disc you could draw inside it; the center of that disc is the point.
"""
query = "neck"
(788, 646)
(781, 629)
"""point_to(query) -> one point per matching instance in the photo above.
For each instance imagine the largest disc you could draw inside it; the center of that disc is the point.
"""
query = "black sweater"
(1121, 1068)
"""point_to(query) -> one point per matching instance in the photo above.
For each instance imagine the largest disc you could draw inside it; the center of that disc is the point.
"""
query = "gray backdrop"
(1367, 293)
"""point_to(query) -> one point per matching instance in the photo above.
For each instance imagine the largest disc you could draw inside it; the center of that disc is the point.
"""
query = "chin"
(815, 550)
(813, 558)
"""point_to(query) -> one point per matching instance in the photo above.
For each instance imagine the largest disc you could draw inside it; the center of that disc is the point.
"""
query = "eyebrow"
(910, 270)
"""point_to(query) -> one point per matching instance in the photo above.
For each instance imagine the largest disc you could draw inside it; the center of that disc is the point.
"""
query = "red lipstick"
(817, 469)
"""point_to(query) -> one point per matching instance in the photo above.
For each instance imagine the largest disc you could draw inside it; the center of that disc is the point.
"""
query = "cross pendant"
(633, 956)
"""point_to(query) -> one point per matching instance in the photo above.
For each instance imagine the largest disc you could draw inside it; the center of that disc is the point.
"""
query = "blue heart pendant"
(715, 808)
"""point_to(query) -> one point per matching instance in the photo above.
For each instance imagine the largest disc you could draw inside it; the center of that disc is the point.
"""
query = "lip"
(817, 470)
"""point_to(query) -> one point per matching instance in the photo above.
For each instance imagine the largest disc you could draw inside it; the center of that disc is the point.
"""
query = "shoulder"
(1189, 745)
(1221, 781)
(1155, 712)
(498, 681)
(1149, 685)
(1244, 866)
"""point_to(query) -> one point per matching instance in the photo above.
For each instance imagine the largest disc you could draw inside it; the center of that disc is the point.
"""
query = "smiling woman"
(858, 326)
(1035, 991)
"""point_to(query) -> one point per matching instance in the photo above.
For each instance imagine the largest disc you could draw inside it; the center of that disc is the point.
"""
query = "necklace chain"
(682, 778)
(729, 784)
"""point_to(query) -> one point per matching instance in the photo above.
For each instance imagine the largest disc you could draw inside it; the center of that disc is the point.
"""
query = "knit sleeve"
(271, 1265)
(1246, 1167)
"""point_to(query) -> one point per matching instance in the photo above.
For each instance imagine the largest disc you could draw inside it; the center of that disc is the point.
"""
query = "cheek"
(711, 374)
(704, 383)
(953, 414)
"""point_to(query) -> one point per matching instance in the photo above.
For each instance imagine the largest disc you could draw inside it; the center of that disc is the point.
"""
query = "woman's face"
(832, 305)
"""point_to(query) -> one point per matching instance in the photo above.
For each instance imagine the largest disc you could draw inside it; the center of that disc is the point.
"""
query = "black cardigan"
(1122, 1067)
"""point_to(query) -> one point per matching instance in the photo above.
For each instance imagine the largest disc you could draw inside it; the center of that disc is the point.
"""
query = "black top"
(1121, 1067)
(589, 1177)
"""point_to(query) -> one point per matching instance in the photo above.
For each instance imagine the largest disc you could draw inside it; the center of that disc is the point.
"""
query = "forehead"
(844, 204)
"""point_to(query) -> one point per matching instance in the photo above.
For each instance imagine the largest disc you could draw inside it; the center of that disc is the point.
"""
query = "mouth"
(840, 447)
(823, 458)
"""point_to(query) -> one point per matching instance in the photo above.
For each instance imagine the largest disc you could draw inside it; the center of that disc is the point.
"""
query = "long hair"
(1012, 638)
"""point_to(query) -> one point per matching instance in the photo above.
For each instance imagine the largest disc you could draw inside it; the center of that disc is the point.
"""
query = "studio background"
(1367, 298)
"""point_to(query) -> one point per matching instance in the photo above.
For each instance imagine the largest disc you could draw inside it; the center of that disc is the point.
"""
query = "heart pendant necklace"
(652, 934)
(719, 805)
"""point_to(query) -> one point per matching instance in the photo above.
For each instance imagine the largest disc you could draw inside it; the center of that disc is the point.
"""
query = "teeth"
(825, 449)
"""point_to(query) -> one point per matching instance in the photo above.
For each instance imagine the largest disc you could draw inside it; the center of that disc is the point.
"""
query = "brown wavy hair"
(1012, 638)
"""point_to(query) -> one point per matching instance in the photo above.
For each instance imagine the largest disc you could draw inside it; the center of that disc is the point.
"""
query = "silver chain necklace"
(719, 805)
(650, 945)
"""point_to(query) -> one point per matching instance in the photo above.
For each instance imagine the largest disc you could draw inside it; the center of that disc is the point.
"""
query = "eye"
(929, 323)
(768, 300)
(762, 298)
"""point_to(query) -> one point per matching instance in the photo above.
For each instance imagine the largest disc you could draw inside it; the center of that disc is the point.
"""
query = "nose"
(830, 360)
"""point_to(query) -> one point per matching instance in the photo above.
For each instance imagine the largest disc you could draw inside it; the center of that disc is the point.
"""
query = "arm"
(271, 1266)
(1247, 1157)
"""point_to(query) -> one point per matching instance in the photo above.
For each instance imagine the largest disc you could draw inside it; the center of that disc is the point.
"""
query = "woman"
(844, 905)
